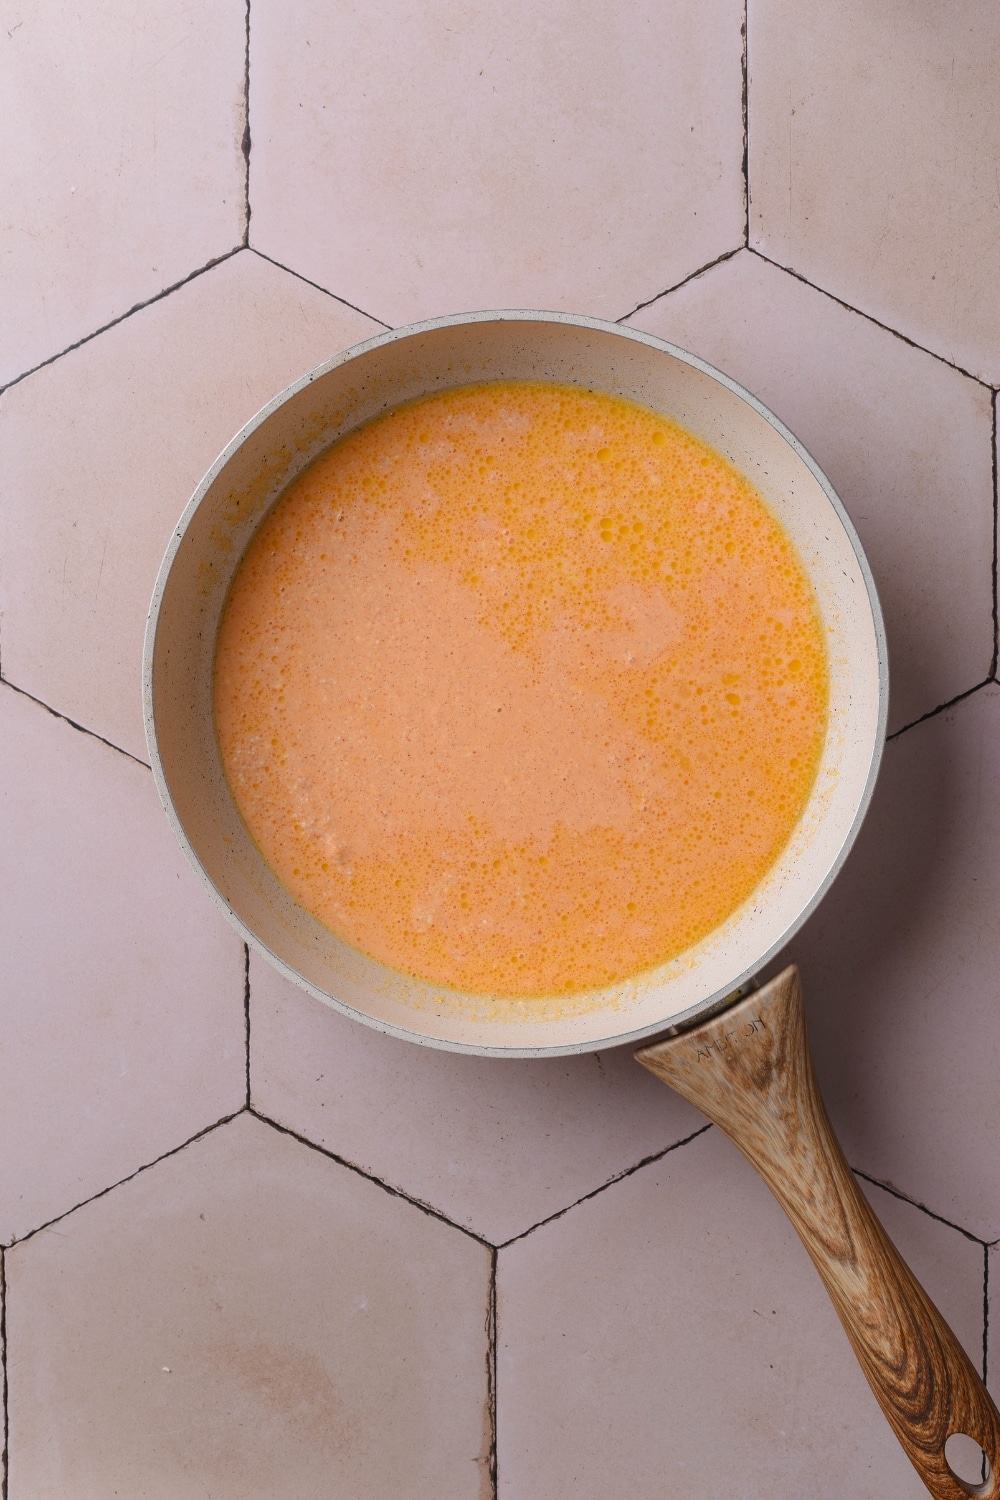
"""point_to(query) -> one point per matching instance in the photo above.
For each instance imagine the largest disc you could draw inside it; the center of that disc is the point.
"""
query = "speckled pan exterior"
(224, 513)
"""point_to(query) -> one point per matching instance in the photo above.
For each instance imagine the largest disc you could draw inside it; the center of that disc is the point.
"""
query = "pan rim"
(676, 1021)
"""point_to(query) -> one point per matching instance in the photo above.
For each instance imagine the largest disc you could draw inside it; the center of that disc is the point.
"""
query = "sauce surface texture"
(521, 689)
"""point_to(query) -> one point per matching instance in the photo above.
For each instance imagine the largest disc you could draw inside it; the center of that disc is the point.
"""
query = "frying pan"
(740, 1055)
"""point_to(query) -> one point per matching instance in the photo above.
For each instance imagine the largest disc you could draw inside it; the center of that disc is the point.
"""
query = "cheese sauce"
(521, 689)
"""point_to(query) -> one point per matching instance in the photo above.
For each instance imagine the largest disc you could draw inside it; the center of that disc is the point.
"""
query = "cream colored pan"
(743, 1061)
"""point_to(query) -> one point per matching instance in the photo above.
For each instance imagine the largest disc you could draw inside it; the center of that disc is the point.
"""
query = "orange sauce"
(521, 688)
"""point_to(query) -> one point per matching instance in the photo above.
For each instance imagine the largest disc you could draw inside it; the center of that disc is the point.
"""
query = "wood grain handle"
(750, 1071)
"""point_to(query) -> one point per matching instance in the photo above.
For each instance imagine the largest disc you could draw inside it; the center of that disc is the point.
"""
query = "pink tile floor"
(248, 1247)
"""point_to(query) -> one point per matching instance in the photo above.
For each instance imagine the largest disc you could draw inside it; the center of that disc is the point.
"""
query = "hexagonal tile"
(100, 453)
(899, 966)
(248, 1320)
(121, 989)
(874, 135)
(122, 169)
(496, 1144)
(670, 1336)
(441, 158)
(906, 440)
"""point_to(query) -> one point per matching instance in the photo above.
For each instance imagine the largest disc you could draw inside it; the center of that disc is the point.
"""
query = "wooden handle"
(750, 1071)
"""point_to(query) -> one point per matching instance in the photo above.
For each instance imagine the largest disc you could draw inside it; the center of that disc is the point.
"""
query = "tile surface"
(121, 989)
(874, 135)
(661, 1330)
(905, 440)
(496, 1144)
(122, 170)
(899, 967)
(670, 1337)
(247, 1320)
(141, 412)
(420, 160)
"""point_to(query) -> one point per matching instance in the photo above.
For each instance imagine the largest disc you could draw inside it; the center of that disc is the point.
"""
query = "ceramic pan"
(227, 508)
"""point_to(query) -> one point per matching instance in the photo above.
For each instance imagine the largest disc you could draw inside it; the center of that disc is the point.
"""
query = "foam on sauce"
(521, 689)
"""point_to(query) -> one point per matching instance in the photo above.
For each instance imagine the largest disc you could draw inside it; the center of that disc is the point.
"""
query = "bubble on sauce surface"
(521, 689)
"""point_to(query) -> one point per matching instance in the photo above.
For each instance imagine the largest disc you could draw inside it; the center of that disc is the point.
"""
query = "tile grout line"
(746, 124)
(986, 1336)
(246, 1015)
(103, 1193)
(986, 1314)
(245, 144)
(789, 271)
(932, 713)
(80, 728)
(668, 291)
(3, 1374)
(379, 1182)
(996, 518)
(619, 1177)
(491, 1374)
(869, 318)
(316, 286)
(175, 286)
(915, 1203)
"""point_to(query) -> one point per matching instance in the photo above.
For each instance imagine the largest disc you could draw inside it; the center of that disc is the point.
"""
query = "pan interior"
(253, 472)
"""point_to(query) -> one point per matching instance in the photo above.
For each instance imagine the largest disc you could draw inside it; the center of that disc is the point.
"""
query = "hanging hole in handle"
(967, 1462)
